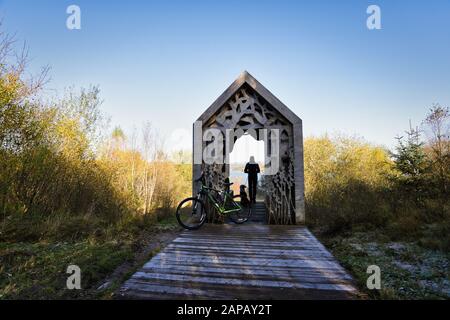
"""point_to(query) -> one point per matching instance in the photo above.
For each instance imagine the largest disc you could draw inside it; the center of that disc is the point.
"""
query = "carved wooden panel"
(247, 110)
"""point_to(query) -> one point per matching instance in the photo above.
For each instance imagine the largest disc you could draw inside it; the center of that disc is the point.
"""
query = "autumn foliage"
(62, 170)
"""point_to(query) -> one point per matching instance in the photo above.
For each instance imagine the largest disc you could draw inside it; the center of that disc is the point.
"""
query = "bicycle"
(191, 213)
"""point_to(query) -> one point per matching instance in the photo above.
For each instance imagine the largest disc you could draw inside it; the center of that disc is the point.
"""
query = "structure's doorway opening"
(244, 148)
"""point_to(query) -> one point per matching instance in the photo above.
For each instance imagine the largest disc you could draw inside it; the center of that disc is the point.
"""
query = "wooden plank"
(242, 262)
(286, 269)
(243, 282)
(242, 270)
(161, 289)
(238, 250)
(311, 274)
(247, 261)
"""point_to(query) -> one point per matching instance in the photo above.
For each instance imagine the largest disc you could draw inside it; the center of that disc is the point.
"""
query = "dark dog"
(244, 198)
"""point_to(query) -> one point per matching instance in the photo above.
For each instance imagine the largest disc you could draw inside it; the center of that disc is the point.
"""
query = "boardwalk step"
(249, 261)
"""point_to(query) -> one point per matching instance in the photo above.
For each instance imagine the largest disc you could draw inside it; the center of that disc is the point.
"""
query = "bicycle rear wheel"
(191, 213)
(242, 215)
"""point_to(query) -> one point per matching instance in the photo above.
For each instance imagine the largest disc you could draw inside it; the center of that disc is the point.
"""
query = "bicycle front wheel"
(191, 213)
(242, 215)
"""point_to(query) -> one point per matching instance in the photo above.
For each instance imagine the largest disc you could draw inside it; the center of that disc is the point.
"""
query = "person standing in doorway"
(252, 170)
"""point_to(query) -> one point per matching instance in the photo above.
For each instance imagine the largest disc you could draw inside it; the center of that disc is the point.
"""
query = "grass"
(38, 271)
(34, 266)
(408, 269)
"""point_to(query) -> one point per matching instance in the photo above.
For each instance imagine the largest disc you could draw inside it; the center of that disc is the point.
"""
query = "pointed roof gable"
(247, 78)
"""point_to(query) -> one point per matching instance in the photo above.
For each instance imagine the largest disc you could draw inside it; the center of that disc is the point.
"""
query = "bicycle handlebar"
(202, 176)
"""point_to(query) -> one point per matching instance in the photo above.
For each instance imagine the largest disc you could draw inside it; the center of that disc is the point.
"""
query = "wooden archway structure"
(248, 107)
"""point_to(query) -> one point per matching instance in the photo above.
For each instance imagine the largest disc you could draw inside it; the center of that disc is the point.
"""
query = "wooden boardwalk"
(249, 261)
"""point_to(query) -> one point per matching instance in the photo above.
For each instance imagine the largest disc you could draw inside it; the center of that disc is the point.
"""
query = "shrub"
(346, 183)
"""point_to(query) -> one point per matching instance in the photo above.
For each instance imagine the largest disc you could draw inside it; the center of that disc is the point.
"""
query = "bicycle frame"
(219, 207)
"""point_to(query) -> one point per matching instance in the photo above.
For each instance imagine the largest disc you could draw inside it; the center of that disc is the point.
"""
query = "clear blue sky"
(167, 61)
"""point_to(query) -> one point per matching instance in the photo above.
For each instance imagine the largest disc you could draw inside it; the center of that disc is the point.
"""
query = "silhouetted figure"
(252, 169)
(245, 202)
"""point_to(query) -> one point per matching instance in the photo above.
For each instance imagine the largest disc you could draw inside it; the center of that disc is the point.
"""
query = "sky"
(166, 61)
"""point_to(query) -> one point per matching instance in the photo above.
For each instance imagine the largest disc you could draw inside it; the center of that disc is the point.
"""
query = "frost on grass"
(408, 271)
